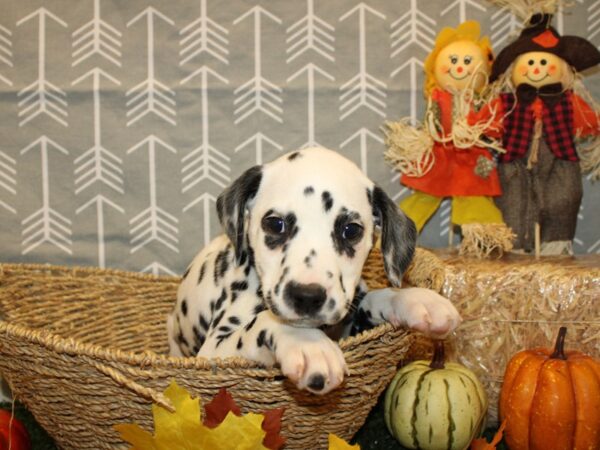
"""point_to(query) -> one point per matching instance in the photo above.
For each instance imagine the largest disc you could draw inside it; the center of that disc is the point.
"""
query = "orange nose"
(459, 69)
(536, 71)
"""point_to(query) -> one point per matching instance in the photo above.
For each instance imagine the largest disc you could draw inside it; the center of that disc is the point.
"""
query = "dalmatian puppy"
(284, 281)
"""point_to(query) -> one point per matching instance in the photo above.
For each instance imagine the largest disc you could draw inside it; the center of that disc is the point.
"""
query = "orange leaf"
(217, 409)
(482, 444)
(272, 425)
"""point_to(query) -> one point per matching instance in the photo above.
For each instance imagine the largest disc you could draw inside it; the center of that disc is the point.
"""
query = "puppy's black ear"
(398, 235)
(231, 207)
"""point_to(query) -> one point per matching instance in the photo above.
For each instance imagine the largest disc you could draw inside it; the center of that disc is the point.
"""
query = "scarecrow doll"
(539, 118)
(438, 161)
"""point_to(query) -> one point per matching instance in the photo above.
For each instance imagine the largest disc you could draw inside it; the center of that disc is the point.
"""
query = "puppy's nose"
(305, 299)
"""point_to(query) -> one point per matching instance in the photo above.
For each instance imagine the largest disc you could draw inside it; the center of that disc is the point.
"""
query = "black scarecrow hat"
(539, 36)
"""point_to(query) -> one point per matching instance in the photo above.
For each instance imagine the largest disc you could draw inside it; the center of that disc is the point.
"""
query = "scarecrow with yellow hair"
(450, 163)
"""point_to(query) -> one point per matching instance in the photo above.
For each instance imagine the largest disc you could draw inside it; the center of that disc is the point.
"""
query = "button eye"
(531, 62)
(352, 231)
(453, 59)
(543, 62)
(273, 225)
(468, 60)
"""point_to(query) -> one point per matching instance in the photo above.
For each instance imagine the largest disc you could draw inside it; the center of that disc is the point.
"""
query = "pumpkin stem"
(559, 348)
(437, 362)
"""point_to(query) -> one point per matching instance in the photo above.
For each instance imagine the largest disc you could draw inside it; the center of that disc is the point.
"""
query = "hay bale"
(514, 303)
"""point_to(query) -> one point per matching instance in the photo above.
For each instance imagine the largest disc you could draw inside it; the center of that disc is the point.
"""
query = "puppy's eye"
(273, 225)
(352, 231)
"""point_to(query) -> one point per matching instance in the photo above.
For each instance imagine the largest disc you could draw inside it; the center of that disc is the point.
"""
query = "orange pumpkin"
(550, 399)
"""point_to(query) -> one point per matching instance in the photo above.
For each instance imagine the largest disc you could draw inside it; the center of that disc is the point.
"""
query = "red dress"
(453, 172)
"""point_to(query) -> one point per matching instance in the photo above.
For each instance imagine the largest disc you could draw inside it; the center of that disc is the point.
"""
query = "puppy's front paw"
(310, 359)
(424, 310)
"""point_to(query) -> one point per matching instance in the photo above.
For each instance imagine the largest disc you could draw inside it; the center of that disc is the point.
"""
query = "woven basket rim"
(71, 346)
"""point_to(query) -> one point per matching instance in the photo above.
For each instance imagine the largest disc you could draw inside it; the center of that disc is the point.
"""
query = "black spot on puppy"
(293, 156)
(260, 339)
(250, 324)
(316, 382)
(202, 272)
(234, 320)
(203, 323)
(327, 200)
(184, 307)
(239, 285)
(341, 242)
(217, 319)
(221, 300)
(199, 337)
(309, 190)
(240, 344)
(186, 273)
(221, 264)
(276, 240)
(182, 340)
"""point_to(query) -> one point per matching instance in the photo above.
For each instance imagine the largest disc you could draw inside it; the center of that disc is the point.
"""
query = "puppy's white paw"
(310, 359)
(423, 310)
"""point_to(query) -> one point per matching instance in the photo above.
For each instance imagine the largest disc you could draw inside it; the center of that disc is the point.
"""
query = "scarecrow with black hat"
(539, 118)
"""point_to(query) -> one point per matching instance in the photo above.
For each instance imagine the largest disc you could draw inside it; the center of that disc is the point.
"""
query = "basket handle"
(148, 393)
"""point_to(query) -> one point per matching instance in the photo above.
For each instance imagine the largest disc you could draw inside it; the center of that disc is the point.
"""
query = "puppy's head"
(306, 221)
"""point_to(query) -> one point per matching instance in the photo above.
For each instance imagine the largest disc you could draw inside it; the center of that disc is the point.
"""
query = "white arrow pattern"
(97, 37)
(99, 201)
(363, 135)
(311, 70)
(207, 201)
(153, 223)
(310, 33)
(315, 73)
(258, 94)
(204, 35)
(413, 28)
(98, 164)
(593, 18)
(6, 52)
(46, 225)
(414, 66)
(205, 162)
(462, 6)
(258, 140)
(363, 89)
(41, 96)
(151, 95)
(505, 26)
(8, 178)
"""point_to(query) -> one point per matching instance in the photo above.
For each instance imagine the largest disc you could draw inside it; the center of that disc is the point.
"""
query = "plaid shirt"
(557, 120)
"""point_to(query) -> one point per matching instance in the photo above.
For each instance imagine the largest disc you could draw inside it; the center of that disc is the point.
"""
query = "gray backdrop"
(122, 121)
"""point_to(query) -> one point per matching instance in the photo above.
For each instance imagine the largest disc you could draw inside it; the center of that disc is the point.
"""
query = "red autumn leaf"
(272, 425)
(219, 407)
(223, 403)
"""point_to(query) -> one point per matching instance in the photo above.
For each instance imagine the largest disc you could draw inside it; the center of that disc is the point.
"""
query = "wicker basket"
(84, 350)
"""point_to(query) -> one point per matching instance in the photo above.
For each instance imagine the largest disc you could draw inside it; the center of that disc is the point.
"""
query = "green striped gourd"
(435, 405)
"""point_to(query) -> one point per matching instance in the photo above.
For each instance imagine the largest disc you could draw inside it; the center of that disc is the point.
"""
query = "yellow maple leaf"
(234, 433)
(184, 430)
(337, 443)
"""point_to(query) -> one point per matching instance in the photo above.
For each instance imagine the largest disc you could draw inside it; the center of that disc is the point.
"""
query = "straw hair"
(483, 240)
(85, 349)
(409, 148)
